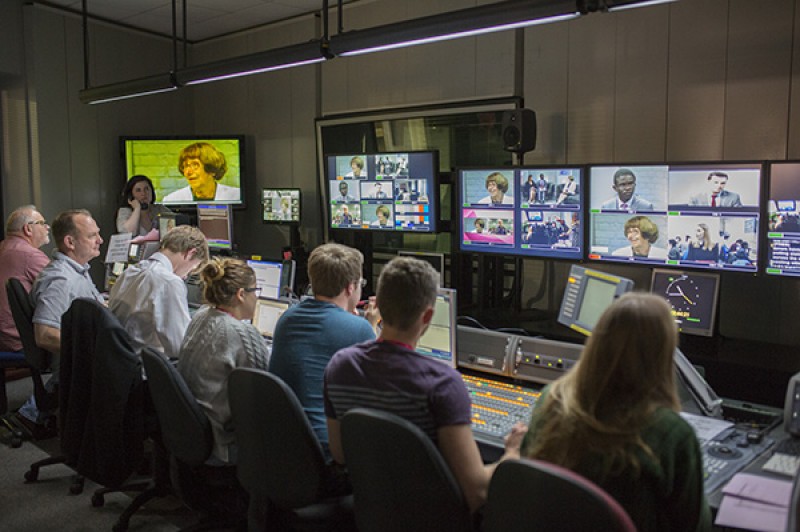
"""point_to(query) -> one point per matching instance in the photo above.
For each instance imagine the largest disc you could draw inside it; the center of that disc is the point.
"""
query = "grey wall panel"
(590, 120)
(545, 81)
(696, 85)
(11, 60)
(793, 141)
(641, 84)
(757, 85)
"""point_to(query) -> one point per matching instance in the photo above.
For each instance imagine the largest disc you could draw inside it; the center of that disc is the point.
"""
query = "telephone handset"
(144, 205)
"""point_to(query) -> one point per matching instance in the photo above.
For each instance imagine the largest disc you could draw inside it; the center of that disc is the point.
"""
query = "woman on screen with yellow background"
(203, 166)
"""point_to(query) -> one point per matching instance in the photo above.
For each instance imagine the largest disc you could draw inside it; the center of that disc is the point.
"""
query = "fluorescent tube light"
(128, 89)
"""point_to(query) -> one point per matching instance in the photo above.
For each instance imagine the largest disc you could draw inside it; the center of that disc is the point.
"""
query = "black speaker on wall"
(519, 130)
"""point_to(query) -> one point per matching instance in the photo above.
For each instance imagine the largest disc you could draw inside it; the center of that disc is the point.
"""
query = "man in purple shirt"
(388, 372)
(20, 258)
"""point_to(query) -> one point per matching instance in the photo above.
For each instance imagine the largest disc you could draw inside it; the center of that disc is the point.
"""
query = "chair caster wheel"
(32, 475)
(98, 501)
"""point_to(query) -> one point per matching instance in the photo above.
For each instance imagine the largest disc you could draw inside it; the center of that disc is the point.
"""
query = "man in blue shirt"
(307, 335)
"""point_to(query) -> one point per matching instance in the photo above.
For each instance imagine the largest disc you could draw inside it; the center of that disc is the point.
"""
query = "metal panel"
(757, 85)
(696, 85)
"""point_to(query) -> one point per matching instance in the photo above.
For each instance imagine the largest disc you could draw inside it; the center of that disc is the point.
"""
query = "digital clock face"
(683, 294)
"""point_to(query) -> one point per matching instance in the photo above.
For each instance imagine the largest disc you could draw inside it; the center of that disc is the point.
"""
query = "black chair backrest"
(22, 311)
(280, 458)
(185, 428)
(793, 520)
(400, 480)
(534, 495)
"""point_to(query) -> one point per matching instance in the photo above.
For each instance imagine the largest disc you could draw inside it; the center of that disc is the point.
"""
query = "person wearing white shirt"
(150, 297)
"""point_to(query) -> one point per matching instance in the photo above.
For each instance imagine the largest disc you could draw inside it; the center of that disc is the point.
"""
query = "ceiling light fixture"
(453, 25)
(128, 89)
(279, 58)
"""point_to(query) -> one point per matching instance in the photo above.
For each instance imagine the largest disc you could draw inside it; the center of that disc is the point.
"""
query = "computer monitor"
(281, 205)
(588, 294)
(533, 211)
(171, 162)
(166, 222)
(439, 341)
(383, 191)
(700, 216)
(216, 223)
(783, 220)
(434, 259)
(266, 316)
(274, 278)
(692, 296)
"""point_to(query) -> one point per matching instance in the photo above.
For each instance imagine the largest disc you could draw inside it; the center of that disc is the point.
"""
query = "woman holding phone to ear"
(138, 212)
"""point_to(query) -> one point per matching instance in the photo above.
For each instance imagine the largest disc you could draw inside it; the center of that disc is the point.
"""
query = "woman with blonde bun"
(219, 340)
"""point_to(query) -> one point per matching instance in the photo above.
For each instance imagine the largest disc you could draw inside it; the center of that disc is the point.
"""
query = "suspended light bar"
(453, 25)
(257, 63)
(128, 89)
(621, 5)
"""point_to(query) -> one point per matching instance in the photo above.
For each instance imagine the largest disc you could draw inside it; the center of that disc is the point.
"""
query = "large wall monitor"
(783, 225)
(189, 170)
(692, 296)
(439, 341)
(688, 215)
(281, 205)
(216, 223)
(383, 191)
(588, 294)
(531, 211)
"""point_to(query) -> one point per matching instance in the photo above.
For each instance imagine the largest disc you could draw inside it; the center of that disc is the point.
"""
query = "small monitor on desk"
(274, 278)
(216, 223)
(588, 294)
(692, 296)
(434, 259)
(439, 341)
(266, 316)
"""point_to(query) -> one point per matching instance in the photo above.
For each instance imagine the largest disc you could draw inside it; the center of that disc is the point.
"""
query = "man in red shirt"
(20, 257)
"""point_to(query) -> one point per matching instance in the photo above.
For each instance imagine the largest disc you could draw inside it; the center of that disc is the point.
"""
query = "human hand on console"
(513, 440)
(371, 312)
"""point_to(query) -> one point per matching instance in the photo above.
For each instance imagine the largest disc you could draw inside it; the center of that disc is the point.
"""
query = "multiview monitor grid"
(688, 215)
(783, 224)
(383, 191)
(529, 211)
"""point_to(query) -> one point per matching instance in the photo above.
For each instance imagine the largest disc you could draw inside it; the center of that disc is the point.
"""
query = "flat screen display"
(281, 205)
(587, 295)
(692, 296)
(783, 224)
(216, 223)
(188, 170)
(703, 216)
(531, 211)
(439, 340)
(383, 191)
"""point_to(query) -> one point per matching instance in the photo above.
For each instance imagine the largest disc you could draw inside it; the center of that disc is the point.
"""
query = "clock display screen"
(693, 297)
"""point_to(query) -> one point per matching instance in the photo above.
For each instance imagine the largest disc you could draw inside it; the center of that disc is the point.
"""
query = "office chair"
(400, 480)
(534, 495)
(10, 360)
(793, 519)
(102, 403)
(186, 433)
(281, 463)
(39, 361)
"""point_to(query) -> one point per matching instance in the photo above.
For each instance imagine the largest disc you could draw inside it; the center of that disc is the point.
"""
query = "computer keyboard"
(782, 464)
(497, 406)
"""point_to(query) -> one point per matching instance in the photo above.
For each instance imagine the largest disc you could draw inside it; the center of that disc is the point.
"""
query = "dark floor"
(46, 503)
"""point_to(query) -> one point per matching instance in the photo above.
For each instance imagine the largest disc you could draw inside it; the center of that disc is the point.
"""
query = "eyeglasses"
(255, 289)
(38, 222)
(363, 283)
